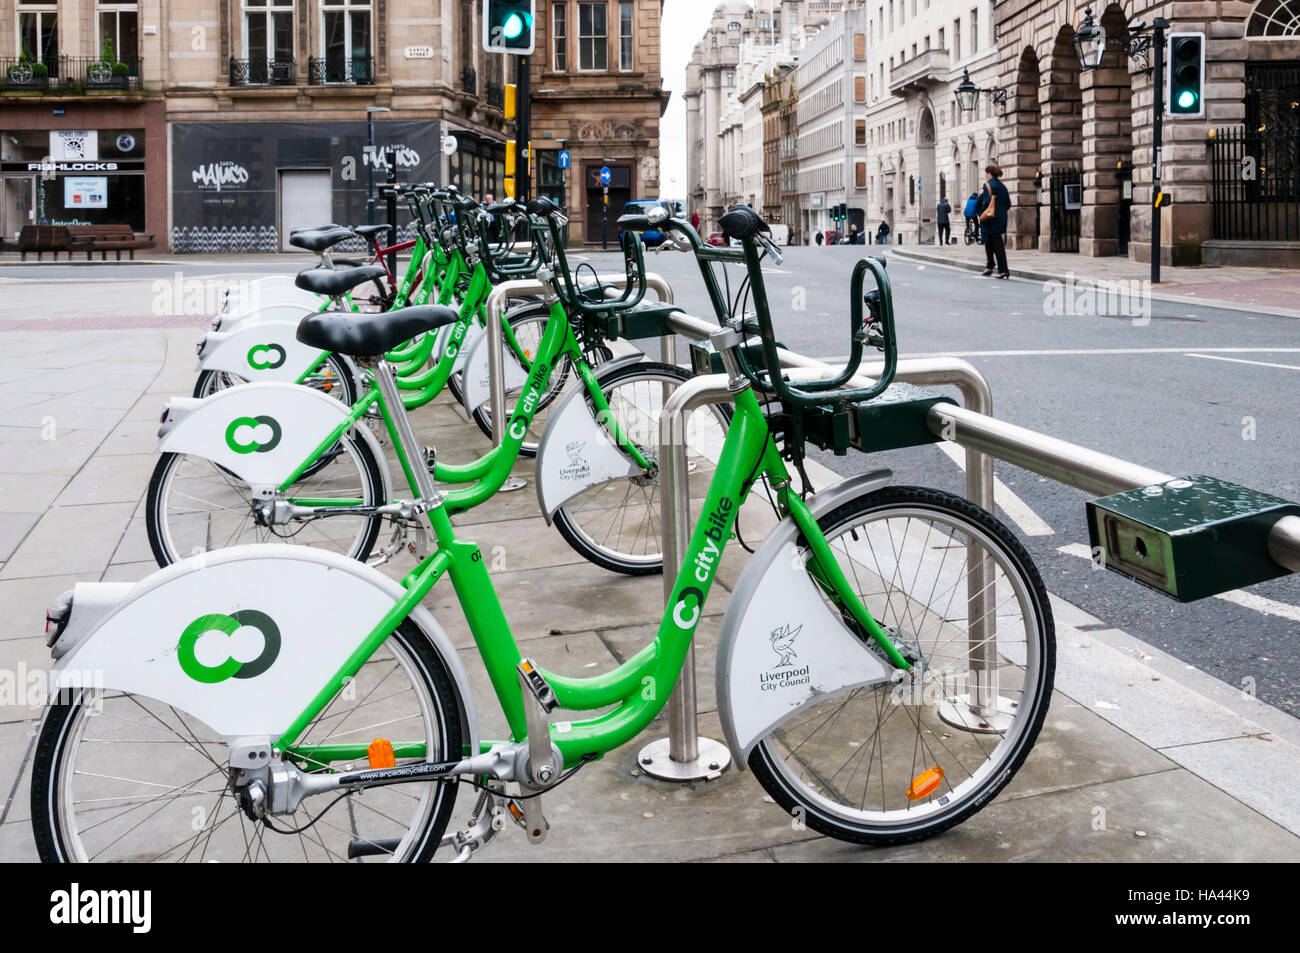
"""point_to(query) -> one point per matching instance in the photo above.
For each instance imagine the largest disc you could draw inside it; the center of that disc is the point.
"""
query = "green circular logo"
(231, 667)
(259, 362)
(252, 445)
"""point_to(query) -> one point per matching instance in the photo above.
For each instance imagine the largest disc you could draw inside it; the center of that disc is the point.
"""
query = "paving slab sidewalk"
(1265, 290)
(1109, 780)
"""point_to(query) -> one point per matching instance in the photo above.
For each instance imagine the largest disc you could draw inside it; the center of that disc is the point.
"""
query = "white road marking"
(1237, 360)
(1240, 597)
(1020, 512)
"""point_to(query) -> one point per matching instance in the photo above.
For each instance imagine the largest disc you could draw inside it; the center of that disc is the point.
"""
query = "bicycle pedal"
(528, 815)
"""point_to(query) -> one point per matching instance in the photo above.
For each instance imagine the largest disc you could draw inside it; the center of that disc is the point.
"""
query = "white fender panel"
(782, 648)
(264, 351)
(321, 605)
(476, 383)
(260, 432)
(575, 452)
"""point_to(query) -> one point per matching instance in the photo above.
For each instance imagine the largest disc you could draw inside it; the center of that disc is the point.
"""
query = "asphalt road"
(1179, 393)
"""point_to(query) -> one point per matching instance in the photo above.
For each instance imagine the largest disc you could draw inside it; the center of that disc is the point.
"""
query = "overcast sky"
(684, 22)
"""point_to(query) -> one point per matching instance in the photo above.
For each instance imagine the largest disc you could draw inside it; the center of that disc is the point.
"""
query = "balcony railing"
(69, 74)
(350, 71)
(495, 95)
(919, 73)
(469, 80)
(262, 72)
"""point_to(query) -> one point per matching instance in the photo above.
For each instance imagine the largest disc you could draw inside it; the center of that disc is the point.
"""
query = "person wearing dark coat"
(882, 233)
(995, 228)
(945, 229)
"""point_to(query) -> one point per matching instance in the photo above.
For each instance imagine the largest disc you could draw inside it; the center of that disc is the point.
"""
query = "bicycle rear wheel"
(894, 763)
(101, 790)
(194, 505)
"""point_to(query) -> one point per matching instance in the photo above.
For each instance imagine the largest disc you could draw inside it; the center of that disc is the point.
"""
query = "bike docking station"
(1189, 537)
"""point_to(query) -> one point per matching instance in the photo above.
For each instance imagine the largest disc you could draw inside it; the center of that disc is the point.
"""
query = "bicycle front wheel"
(617, 524)
(895, 763)
(124, 778)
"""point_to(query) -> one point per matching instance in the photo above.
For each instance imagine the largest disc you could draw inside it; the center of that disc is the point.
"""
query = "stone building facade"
(910, 145)
(598, 92)
(1094, 128)
(742, 41)
(228, 123)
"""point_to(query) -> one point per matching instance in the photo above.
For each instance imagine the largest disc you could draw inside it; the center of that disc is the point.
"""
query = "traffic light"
(1186, 74)
(508, 26)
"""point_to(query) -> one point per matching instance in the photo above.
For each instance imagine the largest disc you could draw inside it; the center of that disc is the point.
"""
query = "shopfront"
(242, 187)
(478, 165)
(69, 166)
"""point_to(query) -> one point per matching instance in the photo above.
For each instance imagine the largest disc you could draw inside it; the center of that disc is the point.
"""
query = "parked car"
(718, 240)
(651, 236)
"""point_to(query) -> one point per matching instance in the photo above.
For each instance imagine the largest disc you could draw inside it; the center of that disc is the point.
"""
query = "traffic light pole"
(1159, 25)
(523, 130)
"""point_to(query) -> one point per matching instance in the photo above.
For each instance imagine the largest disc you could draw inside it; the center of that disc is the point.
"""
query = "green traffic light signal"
(508, 26)
(1186, 73)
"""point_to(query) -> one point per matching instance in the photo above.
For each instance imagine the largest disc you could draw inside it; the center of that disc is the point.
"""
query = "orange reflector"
(925, 784)
(381, 754)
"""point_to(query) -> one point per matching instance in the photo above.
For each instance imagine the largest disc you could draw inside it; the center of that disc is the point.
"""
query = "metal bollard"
(683, 755)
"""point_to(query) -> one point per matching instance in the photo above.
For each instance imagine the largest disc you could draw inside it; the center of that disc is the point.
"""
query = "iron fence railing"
(69, 74)
(262, 72)
(352, 71)
(1065, 220)
(1255, 183)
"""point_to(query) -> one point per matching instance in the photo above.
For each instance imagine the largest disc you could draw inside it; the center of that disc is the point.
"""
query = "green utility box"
(1190, 538)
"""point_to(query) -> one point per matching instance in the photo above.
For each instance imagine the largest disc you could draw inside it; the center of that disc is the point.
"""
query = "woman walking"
(994, 203)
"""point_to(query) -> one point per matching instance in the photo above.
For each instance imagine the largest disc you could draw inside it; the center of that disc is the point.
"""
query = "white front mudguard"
(228, 429)
(575, 452)
(264, 351)
(128, 638)
(476, 387)
(776, 602)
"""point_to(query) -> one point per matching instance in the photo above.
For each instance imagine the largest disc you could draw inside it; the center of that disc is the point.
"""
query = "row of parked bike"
(238, 703)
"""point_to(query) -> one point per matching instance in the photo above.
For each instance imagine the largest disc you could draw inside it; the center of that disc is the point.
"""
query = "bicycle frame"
(641, 685)
(489, 473)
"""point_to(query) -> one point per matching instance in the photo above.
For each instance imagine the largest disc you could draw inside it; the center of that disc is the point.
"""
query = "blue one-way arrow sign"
(605, 175)
(565, 159)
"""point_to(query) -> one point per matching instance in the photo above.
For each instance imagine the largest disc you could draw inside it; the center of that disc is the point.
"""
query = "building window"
(859, 89)
(794, 17)
(268, 37)
(956, 39)
(941, 45)
(560, 37)
(859, 46)
(593, 33)
(625, 36)
(860, 132)
(974, 31)
(860, 175)
(38, 33)
(346, 38)
(731, 78)
(117, 26)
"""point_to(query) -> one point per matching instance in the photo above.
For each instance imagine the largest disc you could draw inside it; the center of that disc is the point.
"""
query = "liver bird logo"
(574, 450)
(782, 640)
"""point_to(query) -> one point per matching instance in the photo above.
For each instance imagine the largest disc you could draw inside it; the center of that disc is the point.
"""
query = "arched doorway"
(928, 193)
(1062, 143)
(1022, 179)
